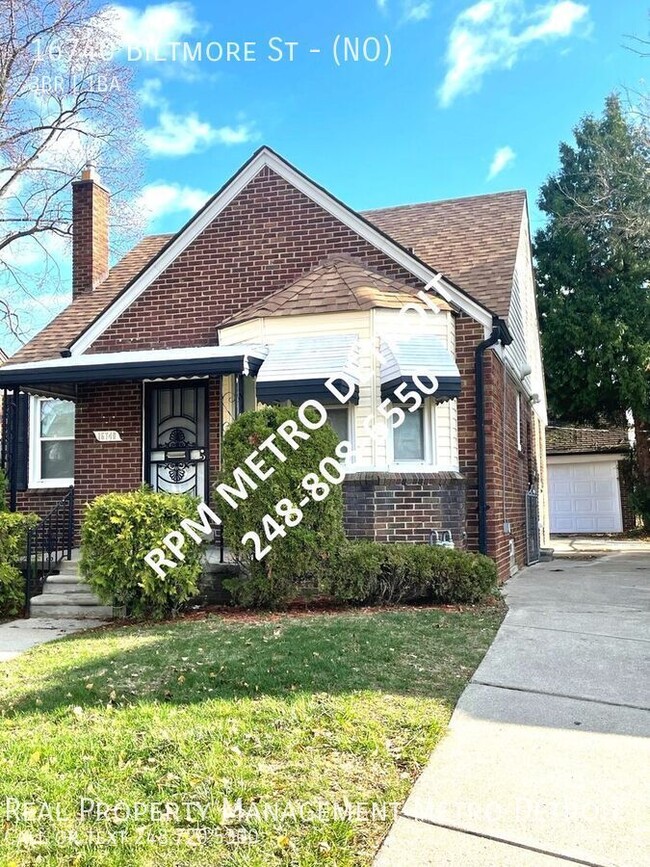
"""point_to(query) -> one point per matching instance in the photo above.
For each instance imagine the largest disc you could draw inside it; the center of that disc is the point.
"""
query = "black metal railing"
(47, 544)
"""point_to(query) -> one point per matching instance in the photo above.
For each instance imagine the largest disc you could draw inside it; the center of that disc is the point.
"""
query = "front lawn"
(133, 745)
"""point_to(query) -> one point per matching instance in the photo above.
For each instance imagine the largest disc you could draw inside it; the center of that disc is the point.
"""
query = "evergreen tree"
(593, 274)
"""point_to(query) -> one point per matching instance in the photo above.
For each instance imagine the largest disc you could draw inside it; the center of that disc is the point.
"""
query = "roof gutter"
(500, 334)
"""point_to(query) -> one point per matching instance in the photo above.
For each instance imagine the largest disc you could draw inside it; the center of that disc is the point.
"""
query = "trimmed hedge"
(373, 573)
(118, 531)
(13, 537)
(294, 564)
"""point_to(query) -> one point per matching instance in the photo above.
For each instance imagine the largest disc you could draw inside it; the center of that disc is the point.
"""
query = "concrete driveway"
(547, 759)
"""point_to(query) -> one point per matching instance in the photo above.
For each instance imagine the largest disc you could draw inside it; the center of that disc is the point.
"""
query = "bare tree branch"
(65, 99)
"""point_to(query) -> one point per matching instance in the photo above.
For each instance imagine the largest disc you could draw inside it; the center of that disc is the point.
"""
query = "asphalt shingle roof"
(473, 241)
(78, 315)
(338, 285)
(585, 440)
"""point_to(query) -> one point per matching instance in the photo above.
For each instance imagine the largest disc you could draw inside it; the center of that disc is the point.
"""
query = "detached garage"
(587, 482)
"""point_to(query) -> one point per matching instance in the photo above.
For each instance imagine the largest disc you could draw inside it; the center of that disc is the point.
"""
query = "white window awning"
(424, 356)
(297, 368)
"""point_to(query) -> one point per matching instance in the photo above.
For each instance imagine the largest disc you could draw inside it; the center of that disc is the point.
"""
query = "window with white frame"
(412, 440)
(338, 417)
(51, 442)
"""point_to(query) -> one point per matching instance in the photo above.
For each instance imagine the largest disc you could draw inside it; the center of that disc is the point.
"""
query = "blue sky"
(475, 98)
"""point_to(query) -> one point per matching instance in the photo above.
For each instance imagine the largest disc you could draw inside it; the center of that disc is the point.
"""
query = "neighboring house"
(589, 480)
(271, 288)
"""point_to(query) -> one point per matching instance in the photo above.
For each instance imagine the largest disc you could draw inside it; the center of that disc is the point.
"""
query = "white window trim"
(430, 463)
(349, 461)
(520, 446)
(35, 480)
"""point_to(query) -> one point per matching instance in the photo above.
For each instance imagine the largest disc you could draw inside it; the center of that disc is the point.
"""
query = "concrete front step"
(65, 581)
(71, 612)
(81, 597)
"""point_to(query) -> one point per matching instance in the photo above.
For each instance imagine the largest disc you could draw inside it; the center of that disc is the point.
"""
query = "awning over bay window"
(297, 369)
(422, 357)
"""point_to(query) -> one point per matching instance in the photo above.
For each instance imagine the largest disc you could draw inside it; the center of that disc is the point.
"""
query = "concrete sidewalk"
(17, 636)
(563, 545)
(547, 756)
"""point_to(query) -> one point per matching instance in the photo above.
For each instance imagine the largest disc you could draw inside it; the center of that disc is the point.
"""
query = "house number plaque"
(107, 436)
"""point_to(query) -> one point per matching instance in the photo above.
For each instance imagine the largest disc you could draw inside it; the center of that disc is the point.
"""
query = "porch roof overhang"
(424, 356)
(297, 369)
(142, 364)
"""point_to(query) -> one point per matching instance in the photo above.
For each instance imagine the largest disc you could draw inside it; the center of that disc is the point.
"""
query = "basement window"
(51, 462)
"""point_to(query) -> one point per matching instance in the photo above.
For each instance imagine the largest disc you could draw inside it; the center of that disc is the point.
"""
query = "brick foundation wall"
(404, 507)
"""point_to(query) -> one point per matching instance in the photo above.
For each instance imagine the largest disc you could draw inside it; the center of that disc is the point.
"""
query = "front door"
(176, 437)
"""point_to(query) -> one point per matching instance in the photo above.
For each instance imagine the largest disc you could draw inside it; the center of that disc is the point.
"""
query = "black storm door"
(176, 437)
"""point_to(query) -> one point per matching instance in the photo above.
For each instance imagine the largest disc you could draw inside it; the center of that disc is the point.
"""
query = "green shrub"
(376, 573)
(118, 531)
(293, 565)
(4, 488)
(13, 536)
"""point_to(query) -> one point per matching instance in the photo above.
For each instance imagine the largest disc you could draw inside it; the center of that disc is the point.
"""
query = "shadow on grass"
(419, 653)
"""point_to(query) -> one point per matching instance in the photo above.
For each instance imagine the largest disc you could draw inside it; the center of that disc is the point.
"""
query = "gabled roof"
(78, 315)
(585, 440)
(473, 240)
(267, 158)
(338, 285)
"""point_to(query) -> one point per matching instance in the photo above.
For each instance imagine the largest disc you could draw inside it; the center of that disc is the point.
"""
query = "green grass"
(309, 720)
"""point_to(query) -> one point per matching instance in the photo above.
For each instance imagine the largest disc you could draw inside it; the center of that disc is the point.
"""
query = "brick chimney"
(90, 204)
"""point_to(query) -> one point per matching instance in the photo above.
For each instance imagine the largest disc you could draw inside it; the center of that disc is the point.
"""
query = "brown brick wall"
(268, 236)
(625, 485)
(117, 466)
(509, 470)
(39, 500)
(500, 453)
(90, 209)
(404, 507)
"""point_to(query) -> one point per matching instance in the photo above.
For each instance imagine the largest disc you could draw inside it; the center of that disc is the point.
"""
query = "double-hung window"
(408, 438)
(51, 443)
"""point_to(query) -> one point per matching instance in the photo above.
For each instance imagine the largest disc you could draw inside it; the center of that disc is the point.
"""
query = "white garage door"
(584, 496)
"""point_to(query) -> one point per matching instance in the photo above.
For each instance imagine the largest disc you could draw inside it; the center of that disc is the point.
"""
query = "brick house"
(269, 290)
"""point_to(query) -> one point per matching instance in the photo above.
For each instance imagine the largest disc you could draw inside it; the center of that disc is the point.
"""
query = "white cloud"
(416, 11)
(412, 10)
(177, 135)
(502, 158)
(492, 34)
(154, 27)
(150, 93)
(160, 199)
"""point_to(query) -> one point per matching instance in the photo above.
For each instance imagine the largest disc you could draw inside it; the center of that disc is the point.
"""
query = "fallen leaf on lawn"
(78, 711)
